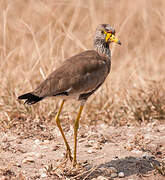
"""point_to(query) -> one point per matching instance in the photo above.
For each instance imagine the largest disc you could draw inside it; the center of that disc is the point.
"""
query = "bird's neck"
(102, 48)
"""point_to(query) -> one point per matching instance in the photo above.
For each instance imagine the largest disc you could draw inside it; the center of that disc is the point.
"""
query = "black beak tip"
(119, 42)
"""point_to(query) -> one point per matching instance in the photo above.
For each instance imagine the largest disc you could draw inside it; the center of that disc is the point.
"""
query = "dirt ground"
(131, 153)
(35, 38)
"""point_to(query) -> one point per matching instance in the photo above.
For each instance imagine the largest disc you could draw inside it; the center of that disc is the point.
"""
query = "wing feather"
(80, 74)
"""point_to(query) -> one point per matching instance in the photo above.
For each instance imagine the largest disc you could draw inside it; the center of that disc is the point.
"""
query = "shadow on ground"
(128, 165)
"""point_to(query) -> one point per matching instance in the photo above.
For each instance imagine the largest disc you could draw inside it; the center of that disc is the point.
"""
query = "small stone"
(21, 149)
(36, 141)
(121, 174)
(129, 147)
(18, 141)
(102, 169)
(28, 160)
(43, 175)
(147, 156)
(39, 155)
(46, 142)
(102, 139)
(18, 165)
(97, 146)
(88, 167)
(102, 178)
(136, 151)
(108, 171)
(113, 175)
(91, 151)
(112, 170)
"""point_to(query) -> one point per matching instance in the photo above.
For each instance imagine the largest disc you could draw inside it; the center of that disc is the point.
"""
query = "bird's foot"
(66, 161)
(74, 169)
(69, 166)
(68, 155)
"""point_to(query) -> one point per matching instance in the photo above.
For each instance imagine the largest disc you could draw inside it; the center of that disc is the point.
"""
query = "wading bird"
(77, 78)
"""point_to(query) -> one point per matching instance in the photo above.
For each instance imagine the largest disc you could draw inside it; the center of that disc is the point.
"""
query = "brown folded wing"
(79, 74)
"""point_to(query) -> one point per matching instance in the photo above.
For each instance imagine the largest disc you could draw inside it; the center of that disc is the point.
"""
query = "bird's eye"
(102, 31)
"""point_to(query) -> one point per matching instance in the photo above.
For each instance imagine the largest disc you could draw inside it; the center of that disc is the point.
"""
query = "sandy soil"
(33, 151)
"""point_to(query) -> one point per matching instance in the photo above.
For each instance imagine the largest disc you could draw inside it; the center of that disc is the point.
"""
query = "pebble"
(91, 151)
(18, 165)
(102, 168)
(42, 173)
(39, 155)
(102, 178)
(112, 170)
(121, 174)
(108, 171)
(113, 175)
(46, 142)
(147, 156)
(28, 160)
(30, 157)
(97, 146)
(136, 151)
(88, 167)
(37, 141)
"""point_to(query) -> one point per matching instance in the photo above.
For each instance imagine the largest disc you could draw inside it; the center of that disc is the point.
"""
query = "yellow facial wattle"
(114, 39)
(111, 37)
(108, 36)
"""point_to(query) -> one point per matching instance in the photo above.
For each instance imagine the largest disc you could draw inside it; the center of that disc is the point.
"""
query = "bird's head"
(106, 34)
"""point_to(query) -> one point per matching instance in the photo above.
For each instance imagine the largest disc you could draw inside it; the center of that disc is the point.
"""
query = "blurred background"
(36, 36)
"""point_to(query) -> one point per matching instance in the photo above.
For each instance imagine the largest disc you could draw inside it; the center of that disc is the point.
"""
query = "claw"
(68, 155)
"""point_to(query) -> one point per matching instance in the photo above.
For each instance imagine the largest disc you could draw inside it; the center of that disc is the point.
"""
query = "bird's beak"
(111, 38)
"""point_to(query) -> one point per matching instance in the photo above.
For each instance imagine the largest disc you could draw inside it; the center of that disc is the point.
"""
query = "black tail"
(30, 98)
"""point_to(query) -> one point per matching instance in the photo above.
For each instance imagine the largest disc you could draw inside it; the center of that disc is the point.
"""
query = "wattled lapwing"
(77, 78)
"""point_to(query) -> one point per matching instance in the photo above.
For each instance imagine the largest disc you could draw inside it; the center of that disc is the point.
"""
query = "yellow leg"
(76, 126)
(68, 151)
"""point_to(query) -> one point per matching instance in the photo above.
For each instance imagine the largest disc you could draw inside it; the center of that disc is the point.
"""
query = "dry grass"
(36, 36)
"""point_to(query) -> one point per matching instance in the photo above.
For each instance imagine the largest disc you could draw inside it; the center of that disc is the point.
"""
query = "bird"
(77, 78)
